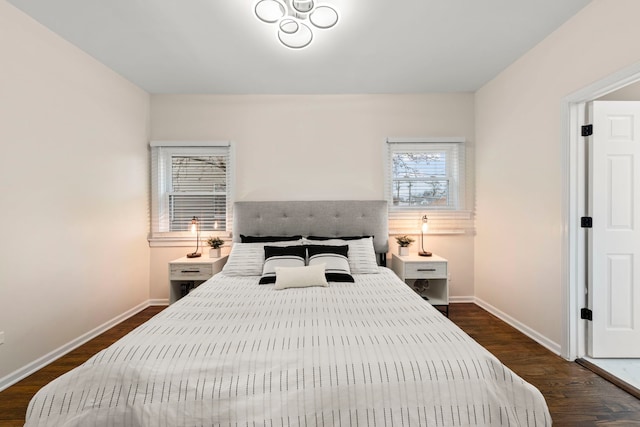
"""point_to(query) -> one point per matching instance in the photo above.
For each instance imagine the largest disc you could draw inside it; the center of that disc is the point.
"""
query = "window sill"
(180, 241)
(407, 214)
(455, 231)
(440, 222)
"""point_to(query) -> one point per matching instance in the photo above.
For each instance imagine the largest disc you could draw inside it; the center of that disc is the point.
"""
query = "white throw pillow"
(335, 259)
(300, 277)
(276, 256)
(362, 255)
(247, 259)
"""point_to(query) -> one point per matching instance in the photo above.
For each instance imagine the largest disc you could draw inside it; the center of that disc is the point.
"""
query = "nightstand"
(428, 276)
(187, 273)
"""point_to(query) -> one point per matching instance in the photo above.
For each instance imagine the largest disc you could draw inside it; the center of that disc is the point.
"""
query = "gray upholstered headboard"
(314, 218)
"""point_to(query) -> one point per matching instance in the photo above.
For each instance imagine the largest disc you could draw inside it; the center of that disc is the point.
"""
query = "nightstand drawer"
(425, 270)
(190, 271)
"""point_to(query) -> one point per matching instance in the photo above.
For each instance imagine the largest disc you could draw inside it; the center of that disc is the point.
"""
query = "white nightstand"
(428, 276)
(187, 273)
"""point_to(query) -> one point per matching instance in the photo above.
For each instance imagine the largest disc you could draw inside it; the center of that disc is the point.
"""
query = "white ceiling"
(378, 46)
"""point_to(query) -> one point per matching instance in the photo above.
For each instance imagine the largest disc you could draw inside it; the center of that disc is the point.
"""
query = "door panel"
(620, 188)
(614, 256)
(620, 292)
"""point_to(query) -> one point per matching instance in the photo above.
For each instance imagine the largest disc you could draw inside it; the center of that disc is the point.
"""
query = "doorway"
(612, 149)
(624, 85)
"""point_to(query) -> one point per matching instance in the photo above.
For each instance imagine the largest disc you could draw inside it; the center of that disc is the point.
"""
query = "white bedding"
(234, 353)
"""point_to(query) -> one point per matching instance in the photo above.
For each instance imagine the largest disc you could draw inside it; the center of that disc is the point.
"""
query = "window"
(191, 179)
(425, 175)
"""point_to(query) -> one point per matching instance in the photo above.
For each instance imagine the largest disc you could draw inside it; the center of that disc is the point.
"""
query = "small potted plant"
(403, 244)
(215, 243)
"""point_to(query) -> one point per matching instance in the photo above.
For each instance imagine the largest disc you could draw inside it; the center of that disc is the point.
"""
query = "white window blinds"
(191, 179)
(425, 174)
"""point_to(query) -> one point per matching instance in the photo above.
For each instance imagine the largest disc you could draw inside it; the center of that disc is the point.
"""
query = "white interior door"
(614, 256)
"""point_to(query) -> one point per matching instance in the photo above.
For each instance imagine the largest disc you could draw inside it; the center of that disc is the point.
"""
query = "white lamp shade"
(295, 19)
(289, 25)
(303, 6)
(270, 11)
(297, 39)
(324, 17)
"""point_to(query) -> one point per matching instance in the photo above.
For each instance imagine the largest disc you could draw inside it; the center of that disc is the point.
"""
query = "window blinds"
(198, 188)
(191, 180)
(425, 175)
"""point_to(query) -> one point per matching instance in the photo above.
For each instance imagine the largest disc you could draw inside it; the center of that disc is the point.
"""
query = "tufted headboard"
(331, 218)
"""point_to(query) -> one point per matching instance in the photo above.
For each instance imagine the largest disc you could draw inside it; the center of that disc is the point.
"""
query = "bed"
(235, 353)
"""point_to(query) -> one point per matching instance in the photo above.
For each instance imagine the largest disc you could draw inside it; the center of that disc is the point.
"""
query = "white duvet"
(235, 353)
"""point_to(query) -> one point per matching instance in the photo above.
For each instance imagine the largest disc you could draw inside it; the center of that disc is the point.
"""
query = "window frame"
(161, 185)
(443, 220)
(454, 173)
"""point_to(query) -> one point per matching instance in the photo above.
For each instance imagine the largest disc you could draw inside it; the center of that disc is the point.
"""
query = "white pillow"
(335, 259)
(247, 259)
(276, 256)
(362, 255)
(300, 277)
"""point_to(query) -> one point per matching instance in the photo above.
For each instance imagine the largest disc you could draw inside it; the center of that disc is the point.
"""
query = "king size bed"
(367, 352)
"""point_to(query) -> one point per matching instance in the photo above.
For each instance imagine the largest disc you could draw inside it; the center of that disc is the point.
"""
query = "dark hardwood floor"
(575, 395)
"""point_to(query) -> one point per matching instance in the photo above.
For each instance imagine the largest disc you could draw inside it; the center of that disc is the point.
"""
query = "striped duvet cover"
(233, 353)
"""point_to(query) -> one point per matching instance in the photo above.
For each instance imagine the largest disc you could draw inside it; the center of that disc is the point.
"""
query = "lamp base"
(425, 253)
(194, 255)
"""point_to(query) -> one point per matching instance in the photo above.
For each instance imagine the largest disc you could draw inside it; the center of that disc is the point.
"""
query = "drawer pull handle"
(426, 269)
(190, 271)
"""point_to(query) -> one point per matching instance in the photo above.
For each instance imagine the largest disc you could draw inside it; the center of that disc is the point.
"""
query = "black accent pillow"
(337, 237)
(281, 256)
(297, 250)
(327, 249)
(267, 239)
(335, 259)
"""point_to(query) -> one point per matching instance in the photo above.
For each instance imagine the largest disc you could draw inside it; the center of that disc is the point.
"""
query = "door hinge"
(587, 130)
(586, 222)
(586, 314)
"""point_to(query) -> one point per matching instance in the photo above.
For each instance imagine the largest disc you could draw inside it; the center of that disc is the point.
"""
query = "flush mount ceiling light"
(296, 19)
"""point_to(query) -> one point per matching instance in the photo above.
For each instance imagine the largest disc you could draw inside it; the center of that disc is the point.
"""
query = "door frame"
(574, 257)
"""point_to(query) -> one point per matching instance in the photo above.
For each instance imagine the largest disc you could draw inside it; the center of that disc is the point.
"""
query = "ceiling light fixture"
(296, 19)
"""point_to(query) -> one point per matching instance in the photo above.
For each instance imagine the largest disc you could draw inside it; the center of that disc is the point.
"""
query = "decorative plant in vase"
(215, 243)
(403, 244)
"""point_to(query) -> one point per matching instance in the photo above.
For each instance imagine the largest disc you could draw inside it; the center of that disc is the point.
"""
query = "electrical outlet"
(2, 337)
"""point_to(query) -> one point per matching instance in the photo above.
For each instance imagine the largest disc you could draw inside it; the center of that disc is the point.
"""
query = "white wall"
(519, 168)
(74, 185)
(628, 93)
(305, 147)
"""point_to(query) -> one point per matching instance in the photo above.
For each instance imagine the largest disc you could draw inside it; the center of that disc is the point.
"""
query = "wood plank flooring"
(575, 395)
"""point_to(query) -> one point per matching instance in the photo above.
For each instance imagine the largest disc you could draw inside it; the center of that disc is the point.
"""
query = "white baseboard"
(158, 302)
(40, 363)
(461, 300)
(540, 339)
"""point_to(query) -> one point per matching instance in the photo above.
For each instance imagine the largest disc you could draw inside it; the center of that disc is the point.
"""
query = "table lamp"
(423, 230)
(195, 228)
